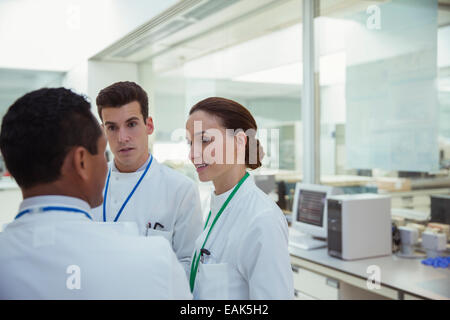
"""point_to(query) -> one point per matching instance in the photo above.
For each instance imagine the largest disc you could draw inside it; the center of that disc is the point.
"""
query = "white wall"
(443, 49)
(76, 78)
(103, 74)
(89, 77)
(10, 200)
(59, 34)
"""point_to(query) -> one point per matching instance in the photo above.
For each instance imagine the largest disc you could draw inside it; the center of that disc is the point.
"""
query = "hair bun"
(250, 160)
(261, 152)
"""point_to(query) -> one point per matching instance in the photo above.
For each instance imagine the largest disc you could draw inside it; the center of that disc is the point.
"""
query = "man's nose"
(123, 135)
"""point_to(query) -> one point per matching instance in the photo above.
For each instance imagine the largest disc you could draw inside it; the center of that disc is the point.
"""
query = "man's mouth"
(125, 150)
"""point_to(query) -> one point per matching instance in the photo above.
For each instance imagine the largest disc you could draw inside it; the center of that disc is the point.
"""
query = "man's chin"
(126, 159)
(126, 164)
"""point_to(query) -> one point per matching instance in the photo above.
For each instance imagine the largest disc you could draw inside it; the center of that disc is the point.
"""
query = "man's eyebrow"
(132, 119)
(128, 120)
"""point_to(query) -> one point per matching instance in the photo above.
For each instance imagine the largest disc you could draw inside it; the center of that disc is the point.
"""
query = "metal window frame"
(310, 98)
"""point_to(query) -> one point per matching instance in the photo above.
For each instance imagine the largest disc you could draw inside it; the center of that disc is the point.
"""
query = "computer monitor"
(309, 215)
(440, 208)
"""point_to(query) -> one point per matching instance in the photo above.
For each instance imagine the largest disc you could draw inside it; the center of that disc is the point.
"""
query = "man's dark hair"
(121, 93)
(39, 130)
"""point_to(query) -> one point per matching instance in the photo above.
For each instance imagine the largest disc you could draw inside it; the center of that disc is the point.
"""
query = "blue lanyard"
(67, 209)
(129, 196)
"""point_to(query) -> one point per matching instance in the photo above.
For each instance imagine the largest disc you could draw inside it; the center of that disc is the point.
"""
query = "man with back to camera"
(160, 200)
(55, 149)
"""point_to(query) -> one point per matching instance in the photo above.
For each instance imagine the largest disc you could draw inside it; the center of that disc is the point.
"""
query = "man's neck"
(52, 189)
(124, 168)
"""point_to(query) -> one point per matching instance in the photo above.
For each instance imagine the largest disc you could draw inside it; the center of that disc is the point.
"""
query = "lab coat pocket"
(213, 281)
(165, 234)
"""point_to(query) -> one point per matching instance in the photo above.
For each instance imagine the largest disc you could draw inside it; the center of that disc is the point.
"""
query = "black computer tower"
(440, 209)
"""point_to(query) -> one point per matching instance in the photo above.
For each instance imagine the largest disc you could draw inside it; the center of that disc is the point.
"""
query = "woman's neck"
(229, 179)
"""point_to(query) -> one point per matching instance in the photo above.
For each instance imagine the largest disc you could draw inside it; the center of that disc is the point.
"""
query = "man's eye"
(206, 139)
(111, 128)
(132, 124)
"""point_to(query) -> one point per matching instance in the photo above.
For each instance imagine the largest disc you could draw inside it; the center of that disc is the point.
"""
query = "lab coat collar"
(218, 200)
(130, 175)
(44, 217)
(142, 168)
(53, 200)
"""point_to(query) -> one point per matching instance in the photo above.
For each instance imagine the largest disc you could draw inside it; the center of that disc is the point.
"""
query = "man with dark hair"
(55, 149)
(160, 200)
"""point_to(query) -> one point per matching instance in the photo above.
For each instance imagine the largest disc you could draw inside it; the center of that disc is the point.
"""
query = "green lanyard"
(195, 260)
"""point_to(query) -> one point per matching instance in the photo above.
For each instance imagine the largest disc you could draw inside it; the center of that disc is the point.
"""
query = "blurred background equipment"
(409, 237)
(309, 220)
(359, 226)
(434, 243)
(440, 208)
(267, 183)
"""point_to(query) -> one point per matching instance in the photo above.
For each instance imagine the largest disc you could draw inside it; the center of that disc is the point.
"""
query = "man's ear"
(81, 162)
(150, 126)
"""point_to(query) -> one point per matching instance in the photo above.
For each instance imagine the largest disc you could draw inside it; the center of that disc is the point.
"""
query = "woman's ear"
(240, 139)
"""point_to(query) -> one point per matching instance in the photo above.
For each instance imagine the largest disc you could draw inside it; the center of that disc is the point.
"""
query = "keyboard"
(305, 242)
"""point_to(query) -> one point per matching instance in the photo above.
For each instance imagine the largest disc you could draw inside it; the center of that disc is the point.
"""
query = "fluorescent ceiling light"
(288, 74)
(332, 71)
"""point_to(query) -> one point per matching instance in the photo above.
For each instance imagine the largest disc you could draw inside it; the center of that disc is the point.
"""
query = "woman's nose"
(195, 153)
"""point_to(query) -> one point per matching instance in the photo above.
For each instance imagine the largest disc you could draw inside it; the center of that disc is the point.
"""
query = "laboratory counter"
(399, 276)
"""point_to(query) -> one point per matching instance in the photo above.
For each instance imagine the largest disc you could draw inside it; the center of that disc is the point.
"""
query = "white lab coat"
(164, 196)
(48, 255)
(249, 249)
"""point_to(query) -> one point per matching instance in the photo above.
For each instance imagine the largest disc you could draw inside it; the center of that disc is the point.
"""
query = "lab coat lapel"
(229, 217)
(121, 185)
